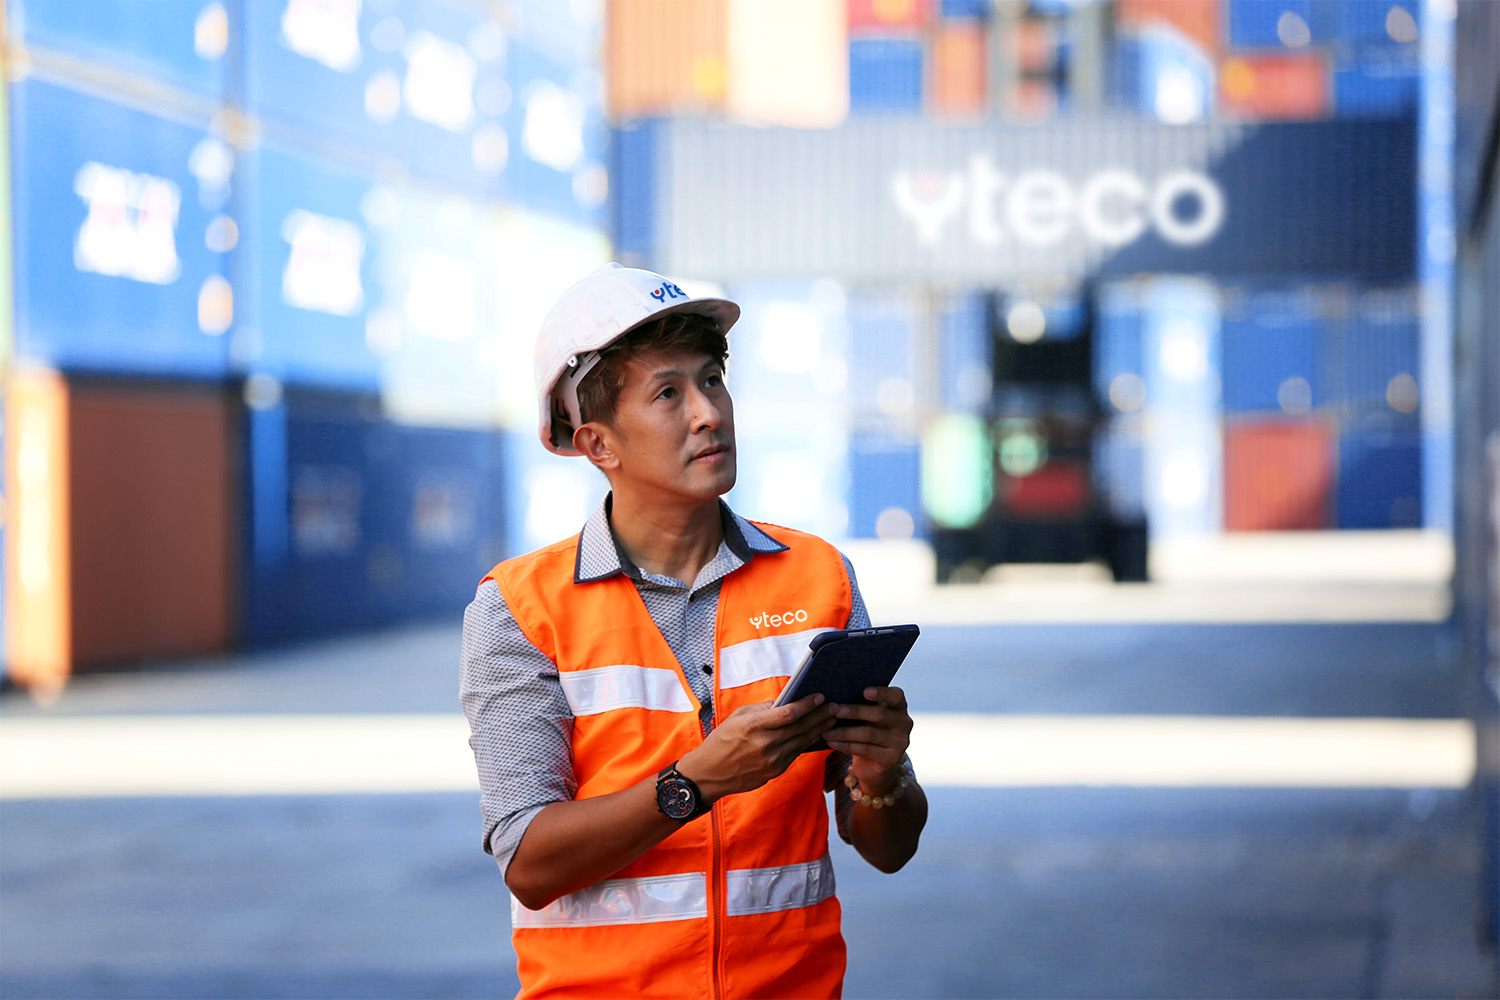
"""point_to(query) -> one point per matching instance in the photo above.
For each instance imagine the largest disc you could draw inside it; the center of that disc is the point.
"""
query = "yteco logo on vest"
(767, 620)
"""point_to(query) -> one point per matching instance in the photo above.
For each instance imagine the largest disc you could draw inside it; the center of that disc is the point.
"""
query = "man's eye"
(666, 393)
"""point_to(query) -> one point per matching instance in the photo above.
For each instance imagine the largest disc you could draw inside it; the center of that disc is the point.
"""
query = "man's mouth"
(709, 452)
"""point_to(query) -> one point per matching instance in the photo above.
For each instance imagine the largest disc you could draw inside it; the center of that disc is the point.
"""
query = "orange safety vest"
(740, 902)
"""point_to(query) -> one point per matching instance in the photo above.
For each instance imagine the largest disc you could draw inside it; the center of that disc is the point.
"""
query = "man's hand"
(879, 740)
(755, 744)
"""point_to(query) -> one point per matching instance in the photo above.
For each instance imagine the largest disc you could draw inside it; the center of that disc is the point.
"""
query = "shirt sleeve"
(520, 725)
(838, 763)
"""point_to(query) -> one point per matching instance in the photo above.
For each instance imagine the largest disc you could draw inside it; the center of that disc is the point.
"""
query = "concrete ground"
(1115, 889)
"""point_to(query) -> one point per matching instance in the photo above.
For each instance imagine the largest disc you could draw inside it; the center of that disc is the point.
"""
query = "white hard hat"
(594, 313)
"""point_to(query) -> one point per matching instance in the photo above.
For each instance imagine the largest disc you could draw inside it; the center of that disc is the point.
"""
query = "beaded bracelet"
(889, 798)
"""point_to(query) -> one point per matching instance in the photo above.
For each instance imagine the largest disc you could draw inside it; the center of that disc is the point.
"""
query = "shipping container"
(1181, 347)
(433, 317)
(546, 497)
(1380, 480)
(887, 199)
(1118, 365)
(182, 44)
(1274, 345)
(789, 358)
(1164, 73)
(956, 10)
(1372, 361)
(885, 488)
(890, 15)
(1183, 464)
(437, 520)
(788, 63)
(124, 513)
(665, 57)
(1375, 92)
(885, 337)
(124, 220)
(305, 270)
(965, 352)
(1275, 24)
(960, 54)
(310, 557)
(1199, 20)
(633, 172)
(555, 137)
(797, 477)
(1278, 474)
(885, 74)
(420, 82)
(1293, 86)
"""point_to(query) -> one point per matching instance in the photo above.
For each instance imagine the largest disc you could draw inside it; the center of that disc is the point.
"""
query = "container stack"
(1267, 60)
(270, 272)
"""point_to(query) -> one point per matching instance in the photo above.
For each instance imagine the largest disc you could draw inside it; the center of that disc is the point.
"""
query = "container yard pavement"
(301, 822)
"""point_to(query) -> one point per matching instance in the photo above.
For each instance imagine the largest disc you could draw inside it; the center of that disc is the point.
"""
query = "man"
(659, 828)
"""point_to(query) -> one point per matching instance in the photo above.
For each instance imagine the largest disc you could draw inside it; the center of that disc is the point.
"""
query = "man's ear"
(595, 442)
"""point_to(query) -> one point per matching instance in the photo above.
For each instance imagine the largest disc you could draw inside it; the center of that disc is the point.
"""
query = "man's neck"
(665, 539)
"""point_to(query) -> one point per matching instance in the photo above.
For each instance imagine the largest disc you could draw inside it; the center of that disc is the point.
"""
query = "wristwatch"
(677, 797)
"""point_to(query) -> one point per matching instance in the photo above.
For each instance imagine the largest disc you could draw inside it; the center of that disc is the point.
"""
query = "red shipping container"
(666, 56)
(1199, 20)
(1291, 86)
(958, 68)
(890, 15)
(125, 496)
(1278, 475)
(1034, 44)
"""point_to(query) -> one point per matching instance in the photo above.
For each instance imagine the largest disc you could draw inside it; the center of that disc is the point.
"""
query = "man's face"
(673, 430)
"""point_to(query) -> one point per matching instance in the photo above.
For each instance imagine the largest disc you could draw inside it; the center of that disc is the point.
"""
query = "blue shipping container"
(437, 519)
(885, 74)
(182, 44)
(965, 353)
(1369, 93)
(1274, 24)
(423, 82)
(632, 203)
(556, 137)
(1272, 344)
(121, 215)
(885, 488)
(1373, 357)
(1380, 481)
(788, 361)
(1118, 364)
(884, 331)
(309, 564)
(1119, 469)
(1164, 74)
(305, 270)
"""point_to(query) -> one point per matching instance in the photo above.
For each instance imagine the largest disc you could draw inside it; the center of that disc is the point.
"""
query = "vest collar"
(601, 557)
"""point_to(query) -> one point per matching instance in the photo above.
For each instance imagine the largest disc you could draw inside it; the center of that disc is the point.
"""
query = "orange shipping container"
(665, 56)
(1278, 475)
(958, 67)
(888, 15)
(1293, 86)
(123, 507)
(1199, 20)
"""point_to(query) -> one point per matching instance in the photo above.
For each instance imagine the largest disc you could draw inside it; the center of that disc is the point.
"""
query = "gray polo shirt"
(519, 720)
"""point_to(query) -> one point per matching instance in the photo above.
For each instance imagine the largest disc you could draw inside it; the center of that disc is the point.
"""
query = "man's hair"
(599, 392)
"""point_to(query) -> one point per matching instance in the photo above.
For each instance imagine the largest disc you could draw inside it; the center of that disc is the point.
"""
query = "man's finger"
(786, 715)
(891, 697)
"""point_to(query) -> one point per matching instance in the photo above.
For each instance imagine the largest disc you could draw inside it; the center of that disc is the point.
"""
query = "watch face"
(675, 798)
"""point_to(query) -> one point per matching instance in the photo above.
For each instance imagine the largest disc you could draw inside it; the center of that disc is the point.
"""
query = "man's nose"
(704, 412)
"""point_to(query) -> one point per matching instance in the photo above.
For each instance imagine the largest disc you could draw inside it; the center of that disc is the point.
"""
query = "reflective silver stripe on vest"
(682, 897)
(604, 689)
(621, 901)
(767, 890)
(761, 659)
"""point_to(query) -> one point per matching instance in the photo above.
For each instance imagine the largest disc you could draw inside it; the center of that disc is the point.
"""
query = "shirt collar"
(600, 555)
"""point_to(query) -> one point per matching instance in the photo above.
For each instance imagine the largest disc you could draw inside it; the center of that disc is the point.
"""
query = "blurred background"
(1148, 351)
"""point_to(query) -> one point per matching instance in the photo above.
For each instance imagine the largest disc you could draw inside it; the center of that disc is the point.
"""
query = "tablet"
(840, 664)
